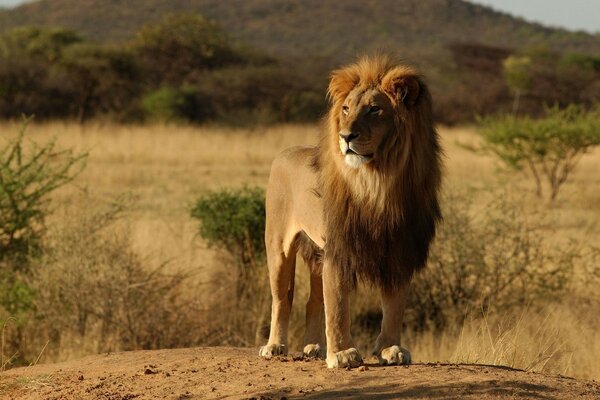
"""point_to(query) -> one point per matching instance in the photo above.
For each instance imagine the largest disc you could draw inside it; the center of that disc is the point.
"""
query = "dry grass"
(164, 169)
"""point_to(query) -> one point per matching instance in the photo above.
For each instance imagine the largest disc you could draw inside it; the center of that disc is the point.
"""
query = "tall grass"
(163, 169)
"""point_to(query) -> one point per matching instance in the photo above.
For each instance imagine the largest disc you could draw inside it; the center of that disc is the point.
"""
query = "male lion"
(362, 204)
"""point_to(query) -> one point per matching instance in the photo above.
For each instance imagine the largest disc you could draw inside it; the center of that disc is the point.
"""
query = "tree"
(180, 44)
(45, 43)
(27, 84)
(102, 79)
(550, 147)
(518, 77)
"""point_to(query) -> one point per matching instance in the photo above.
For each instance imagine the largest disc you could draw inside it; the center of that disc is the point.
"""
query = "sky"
(570, 14)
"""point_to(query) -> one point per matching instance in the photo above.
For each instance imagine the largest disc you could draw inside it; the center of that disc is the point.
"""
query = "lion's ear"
(404, 88)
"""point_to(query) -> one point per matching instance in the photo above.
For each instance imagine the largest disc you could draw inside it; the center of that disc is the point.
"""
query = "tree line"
(181, 68)
(184, 68)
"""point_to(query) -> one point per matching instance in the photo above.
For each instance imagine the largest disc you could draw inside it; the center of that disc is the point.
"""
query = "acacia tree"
(550, 147)
(518, 77)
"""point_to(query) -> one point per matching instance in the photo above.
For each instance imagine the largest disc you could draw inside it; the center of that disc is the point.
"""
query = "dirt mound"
(225, 372)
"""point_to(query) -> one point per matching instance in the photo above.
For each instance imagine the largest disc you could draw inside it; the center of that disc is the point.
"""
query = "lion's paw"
(345, 358)
(271, 350)
(394, 355)
(314, 351)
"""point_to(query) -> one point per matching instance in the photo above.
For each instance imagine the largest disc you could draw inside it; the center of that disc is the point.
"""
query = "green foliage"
(47, 43)
(103, 79)
(180, 44)
(26, 59)
(517, 72)
(550, 146)
(234, 220)
(54, 73)
(583, 61)
(168, 104)
(28, 174)
(16, 297)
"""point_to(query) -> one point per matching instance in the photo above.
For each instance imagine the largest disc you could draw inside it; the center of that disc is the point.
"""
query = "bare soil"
(225, 372)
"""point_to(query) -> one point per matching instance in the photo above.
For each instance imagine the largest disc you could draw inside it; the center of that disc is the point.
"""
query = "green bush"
(550, 147)
(234, 220)
(169, 104)
(29, 173)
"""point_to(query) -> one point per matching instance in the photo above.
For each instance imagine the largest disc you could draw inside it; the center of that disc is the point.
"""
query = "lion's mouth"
(349, 151)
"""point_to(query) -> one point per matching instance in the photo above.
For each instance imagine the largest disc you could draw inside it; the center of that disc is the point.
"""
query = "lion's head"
(380, 170)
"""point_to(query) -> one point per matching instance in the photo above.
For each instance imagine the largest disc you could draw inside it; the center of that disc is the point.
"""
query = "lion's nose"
(348, 136)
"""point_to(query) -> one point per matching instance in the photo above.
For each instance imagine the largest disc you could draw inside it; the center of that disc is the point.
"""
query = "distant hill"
(332, 30)
(458, 45)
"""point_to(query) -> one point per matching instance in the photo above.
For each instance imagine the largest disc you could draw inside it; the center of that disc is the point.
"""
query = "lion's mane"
(381, 218)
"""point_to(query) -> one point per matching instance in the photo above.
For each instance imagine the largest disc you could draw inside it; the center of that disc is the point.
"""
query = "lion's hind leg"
(314, 336)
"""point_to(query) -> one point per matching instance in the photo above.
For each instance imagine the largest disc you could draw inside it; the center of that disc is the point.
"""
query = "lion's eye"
(374, 109)
(345, 110)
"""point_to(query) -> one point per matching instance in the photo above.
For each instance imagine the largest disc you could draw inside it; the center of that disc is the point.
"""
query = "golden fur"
(362, 204)
(381, 218)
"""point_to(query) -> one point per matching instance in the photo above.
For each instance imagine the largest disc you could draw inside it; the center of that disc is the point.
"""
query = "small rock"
(80, 377)
(363, 368)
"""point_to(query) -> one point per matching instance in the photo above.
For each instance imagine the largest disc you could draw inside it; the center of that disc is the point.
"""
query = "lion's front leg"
(341, 352)
(387, 346)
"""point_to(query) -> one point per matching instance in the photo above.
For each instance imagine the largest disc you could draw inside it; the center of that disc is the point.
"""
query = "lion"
(363, 204)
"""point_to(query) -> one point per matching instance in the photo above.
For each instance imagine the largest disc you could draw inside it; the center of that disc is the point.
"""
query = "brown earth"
(225, 372)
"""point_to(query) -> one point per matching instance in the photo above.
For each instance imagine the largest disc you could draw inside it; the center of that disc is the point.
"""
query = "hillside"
(331, 30)
(290, 47)
(225, 372)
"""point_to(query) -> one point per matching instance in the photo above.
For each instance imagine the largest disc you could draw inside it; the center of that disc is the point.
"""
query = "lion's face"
(366, 120)
(373, 102)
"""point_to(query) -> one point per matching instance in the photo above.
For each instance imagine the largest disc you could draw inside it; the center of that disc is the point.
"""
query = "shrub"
(489, 263)
(29, 173)
(549, 147)
(95, 294)
(234, 222)
(169, 104)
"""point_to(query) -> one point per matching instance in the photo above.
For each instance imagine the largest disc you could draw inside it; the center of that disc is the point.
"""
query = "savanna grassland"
(135, 196)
